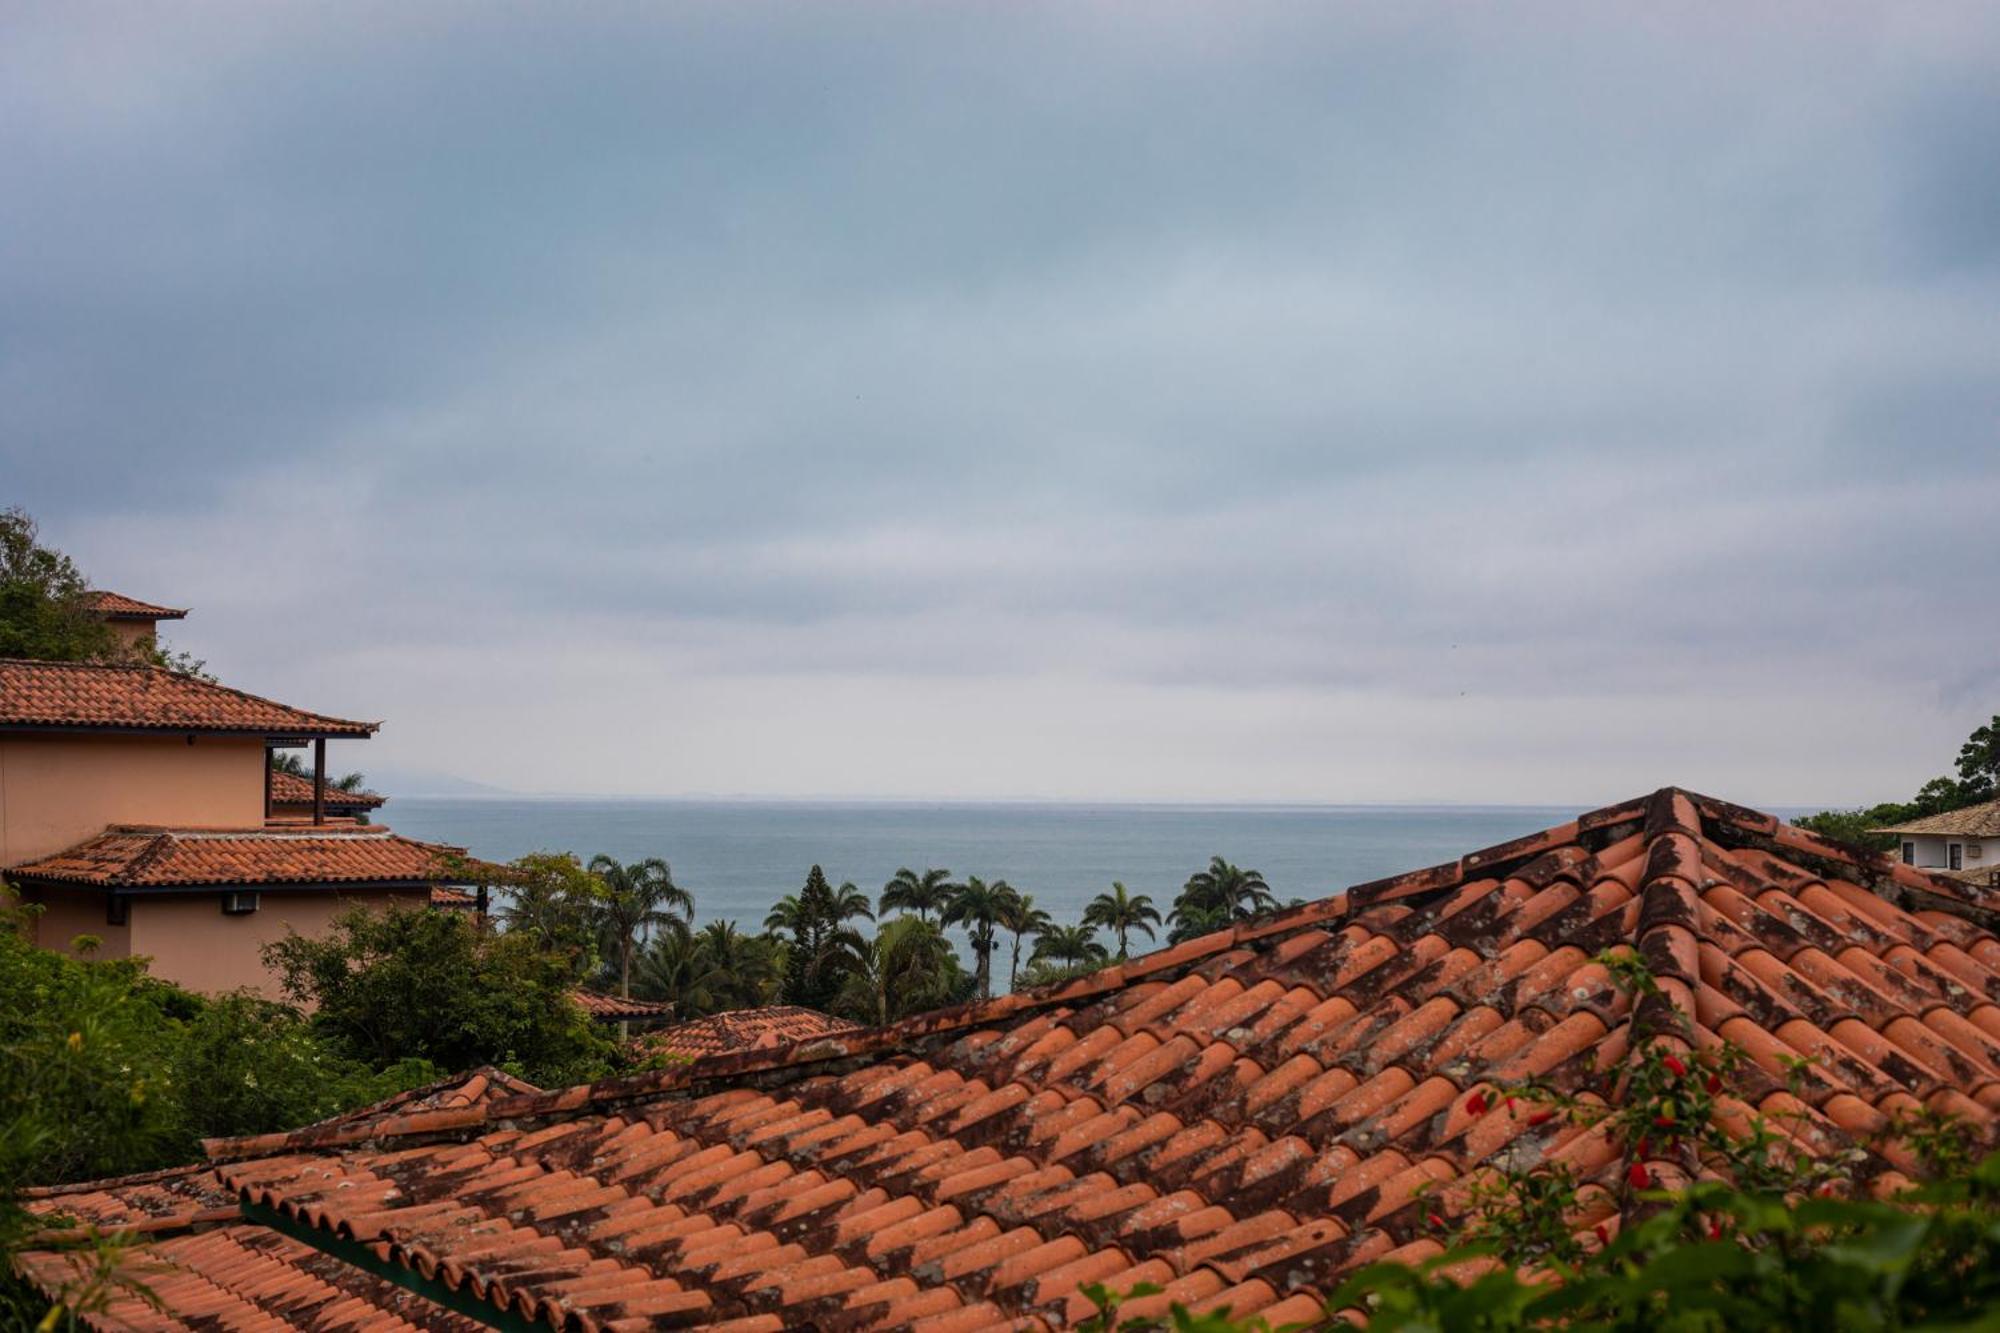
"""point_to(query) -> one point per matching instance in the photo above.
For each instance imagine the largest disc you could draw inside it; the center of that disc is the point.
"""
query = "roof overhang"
(281, 740)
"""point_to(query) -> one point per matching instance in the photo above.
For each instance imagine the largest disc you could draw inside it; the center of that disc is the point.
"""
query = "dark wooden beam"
(319, 779)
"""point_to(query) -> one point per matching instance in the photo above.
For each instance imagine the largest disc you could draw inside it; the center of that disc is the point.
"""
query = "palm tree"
(979, 906)
(821, 946)
(1122, 912)
(742, 968)
(850, 902)
(923, 894)
(908, 967)
(1214, 897)
(1068, 946)
(639, 899)
(673, 966)
(1021, 917)
(289, 761)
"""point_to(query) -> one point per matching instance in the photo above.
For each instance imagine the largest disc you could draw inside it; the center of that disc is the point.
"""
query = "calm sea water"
(740, 857)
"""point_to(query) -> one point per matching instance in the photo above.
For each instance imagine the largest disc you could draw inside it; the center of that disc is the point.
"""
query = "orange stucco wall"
(64, 916)
(132, 635)
(58, 789)
(189, 939)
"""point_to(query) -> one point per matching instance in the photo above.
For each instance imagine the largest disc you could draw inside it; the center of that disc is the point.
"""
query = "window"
(1972, 850)
(239, 903)
(117, 909)
(1909, 853)
(1954, 856)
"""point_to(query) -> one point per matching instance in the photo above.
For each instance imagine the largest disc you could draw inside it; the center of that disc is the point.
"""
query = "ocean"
(739, 857)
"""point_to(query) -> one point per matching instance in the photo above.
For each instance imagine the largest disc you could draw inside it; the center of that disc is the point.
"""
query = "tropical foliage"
(1069, 946)
(711, 970)
(437, 986)
(637, 900)
(821, 944)
(1019, 916)
(907, 968)
(1123, 914)
(980, 908)
(1216, 897)
(924, 894)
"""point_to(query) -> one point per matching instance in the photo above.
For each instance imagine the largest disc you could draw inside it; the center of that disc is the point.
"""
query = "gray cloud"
(1516, 379)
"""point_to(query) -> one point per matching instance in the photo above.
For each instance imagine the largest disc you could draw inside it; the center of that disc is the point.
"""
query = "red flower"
(1476, 1104)
(1663, 1122)
(1639, 1176)
(1510, 1103)
(1434, 1220)
(1540, 1118)
(1714, 1083)
(1639, 1150)
(1715, 1230)
(1603, 1236)
(1673, 1062)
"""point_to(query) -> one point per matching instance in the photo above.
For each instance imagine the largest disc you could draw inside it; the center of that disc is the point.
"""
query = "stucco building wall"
(58, 789)
(193, 943)
(64, 916)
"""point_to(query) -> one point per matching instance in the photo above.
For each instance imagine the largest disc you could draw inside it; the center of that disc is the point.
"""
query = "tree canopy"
(42, 612)
(438, 986)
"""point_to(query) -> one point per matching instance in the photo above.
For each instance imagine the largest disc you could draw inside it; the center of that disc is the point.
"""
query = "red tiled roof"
(1240, 1119)
(743, 1030)
(444, 895)
(211, 1268)
(117, 606)
(136, 857)
(611, 1008)
(453, 1092)
(147, 698)
(291, 789)
(1974, 821)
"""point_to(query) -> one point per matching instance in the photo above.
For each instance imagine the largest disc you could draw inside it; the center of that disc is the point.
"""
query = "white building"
(1963, 843)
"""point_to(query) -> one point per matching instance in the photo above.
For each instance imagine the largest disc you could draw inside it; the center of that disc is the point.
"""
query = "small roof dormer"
(131, 621)
(117, 606)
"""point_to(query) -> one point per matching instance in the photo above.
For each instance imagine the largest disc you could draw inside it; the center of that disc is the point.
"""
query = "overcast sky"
(1461, 403)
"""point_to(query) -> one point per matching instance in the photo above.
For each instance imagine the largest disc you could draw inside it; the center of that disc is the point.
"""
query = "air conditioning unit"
(239, 903)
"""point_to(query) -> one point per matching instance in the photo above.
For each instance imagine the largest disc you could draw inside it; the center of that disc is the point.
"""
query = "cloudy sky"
(1419, 402)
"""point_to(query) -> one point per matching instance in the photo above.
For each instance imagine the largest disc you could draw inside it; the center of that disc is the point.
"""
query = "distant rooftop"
(121, 697)
(117, 606)
(1974, 821)
(144, 857)
(743, 1030)
(611, 1008)
(292, 789)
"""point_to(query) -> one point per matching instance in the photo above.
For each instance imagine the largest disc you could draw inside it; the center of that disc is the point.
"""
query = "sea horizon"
(740, 856)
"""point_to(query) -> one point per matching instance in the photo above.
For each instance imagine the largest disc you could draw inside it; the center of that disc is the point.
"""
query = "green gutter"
(357, 1255)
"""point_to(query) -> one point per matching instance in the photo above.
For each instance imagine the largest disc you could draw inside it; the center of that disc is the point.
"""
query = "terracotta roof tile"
(211, 1268)
(295, 790)
(1974, 821)
(743, 1030)
(445, 895)
(147, 698)
(611, 1008)
(117, 606)
(137, 857)
(1240, 1119)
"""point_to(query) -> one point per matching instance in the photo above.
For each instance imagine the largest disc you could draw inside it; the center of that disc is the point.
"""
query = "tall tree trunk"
(625, 986)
